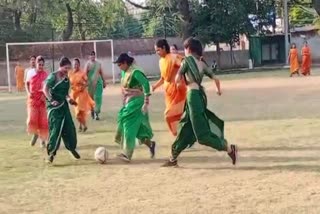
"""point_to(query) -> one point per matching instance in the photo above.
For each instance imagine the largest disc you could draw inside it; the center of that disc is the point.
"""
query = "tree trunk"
(33, 17)
(17, 20)
(231, 53)
(83, 37)
(184, 10)
(67, 32)
(274, 18)
(218, 55)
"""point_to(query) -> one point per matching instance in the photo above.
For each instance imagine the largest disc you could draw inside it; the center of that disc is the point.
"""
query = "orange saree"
(306, 61)
(80, 94)
(175, 95)
(19, 78)
(294, 62)
(37, 122)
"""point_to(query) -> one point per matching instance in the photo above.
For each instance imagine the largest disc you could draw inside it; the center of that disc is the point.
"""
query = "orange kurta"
(19, 78)
(37, 122)
(294, 62)
(306, 61)
(175, 95)
(79, 93)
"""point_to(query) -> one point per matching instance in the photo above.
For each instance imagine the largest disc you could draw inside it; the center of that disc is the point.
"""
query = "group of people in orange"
(293, 59)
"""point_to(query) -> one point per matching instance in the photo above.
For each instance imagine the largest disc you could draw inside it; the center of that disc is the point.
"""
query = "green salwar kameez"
(95, 86)
(197, 123)
(59, 117)
(133, 123)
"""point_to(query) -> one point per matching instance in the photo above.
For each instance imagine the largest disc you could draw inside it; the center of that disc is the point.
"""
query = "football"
(101, 155)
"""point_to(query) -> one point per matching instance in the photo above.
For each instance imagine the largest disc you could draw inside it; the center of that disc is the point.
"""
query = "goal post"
(55, 49)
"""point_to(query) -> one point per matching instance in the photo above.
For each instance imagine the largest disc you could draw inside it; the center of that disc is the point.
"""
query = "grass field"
(275, 121)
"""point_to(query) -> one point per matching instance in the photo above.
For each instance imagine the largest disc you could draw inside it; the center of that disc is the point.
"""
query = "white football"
(101, 155)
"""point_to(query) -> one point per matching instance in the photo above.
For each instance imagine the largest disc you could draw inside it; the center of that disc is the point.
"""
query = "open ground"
(274, 119)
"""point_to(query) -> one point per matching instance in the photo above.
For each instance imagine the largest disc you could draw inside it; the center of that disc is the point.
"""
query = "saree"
(294, 62)
(59, 117)
(132, 122)
(37, 122)
(306, 61)
(198, 123)
(79, 93)
(95, 86)
(19, 78)
(175, 95)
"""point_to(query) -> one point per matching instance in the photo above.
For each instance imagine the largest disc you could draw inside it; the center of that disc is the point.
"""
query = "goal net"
(52, 52)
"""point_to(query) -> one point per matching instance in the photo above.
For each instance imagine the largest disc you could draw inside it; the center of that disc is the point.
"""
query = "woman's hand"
(72, 102)
(153, 88)
(54, 103)
(145, 108)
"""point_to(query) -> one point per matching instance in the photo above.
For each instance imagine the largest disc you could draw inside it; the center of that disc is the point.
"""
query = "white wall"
(314, 44)
(150, 64)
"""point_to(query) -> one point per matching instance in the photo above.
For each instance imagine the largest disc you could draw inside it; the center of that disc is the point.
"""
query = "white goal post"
(94, 42)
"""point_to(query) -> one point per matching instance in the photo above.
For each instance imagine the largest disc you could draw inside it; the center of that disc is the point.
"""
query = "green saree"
(95, 86)
(59, 117)
(132, 122)
(198, 123)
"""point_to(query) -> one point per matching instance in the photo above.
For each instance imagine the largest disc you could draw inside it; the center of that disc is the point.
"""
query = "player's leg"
(184, 139)
(56, 123)
(145, 134)
(69, 134)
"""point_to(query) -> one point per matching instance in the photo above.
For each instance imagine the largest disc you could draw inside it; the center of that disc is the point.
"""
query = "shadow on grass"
(261, 149)
(271, 163)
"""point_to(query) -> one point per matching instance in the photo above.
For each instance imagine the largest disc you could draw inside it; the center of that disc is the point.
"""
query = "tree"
(117, 21)
(180, 9)
(300, 17)
(221, 22)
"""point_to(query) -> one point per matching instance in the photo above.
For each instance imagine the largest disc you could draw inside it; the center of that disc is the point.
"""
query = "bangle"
(146, 100)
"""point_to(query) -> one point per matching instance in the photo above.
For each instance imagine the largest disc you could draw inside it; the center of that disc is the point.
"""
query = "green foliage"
(215, 21)
(221, 21)
(46, 20)
(162, 19)
(300, 16)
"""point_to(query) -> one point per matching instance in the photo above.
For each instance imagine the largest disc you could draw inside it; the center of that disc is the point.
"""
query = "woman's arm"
(102, 77)
(218, 85)
(209, 72)
(142, 79)
(46, 91)
(158, 84)
(182, 70)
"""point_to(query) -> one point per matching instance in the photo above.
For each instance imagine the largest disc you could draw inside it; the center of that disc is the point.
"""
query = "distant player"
(96, 84)
(79, 93)
(174, 49)
(37, 122)
(31, 70)
(293, 59)
(19, 72)
(306, 59)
